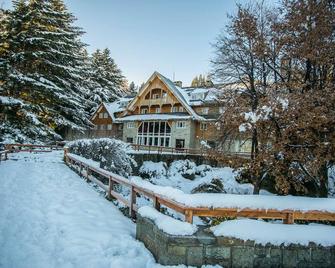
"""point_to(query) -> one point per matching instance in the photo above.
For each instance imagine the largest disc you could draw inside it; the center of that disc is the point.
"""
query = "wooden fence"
(288, 216)
(18, 147)
(186, 151)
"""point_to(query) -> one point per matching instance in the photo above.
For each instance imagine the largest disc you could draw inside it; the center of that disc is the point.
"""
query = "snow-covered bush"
(202, 170)
(186, 168)
(111, 153)
(214, 186)
(151, 169)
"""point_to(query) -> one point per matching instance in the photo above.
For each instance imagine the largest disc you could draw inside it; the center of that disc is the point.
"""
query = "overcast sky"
(169, 36)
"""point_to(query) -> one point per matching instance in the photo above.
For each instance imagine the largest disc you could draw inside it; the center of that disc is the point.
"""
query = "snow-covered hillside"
(49, 217)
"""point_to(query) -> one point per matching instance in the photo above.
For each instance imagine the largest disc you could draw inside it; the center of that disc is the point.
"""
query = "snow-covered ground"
(49, 217)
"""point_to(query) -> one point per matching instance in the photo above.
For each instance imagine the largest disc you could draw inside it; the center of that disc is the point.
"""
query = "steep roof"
(178, 92)
(117, 106)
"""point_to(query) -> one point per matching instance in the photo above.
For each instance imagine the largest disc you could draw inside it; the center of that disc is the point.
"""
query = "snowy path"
(49, 217)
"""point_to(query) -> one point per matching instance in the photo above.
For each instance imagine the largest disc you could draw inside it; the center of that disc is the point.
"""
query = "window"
(203, 126)
(109, 127)
(174, 109)
(105, 115)
(158, 110)
(144, 111)
(129, 139)
(156, 96)
(130, 125)
(181, 124)
(154, 133)
(103, 127)
(204, 110)
(164, 95)
(181, 109)
(120, 127)
(101, 115)
(221, 110)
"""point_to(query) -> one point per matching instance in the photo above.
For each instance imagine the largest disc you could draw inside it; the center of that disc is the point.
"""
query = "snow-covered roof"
(117, 106)
(155, 117)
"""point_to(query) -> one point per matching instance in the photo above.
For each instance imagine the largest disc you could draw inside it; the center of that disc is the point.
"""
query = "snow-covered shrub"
(151, 169)
(111, 153)
(214, 186)
(202, 170)
(186, 168)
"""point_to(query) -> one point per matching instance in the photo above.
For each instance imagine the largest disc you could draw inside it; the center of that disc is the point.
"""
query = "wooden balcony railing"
(187, 151)
(288, 215)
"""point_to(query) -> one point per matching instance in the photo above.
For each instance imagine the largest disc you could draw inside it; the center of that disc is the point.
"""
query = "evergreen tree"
(44, 65)
(107, 76)
(132, 88)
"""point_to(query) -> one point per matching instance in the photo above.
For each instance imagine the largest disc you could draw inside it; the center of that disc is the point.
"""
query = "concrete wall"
(204, 248)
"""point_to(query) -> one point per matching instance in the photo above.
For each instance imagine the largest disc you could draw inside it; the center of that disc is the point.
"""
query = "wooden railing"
(288, 216)
(187, 151)
(18, 147)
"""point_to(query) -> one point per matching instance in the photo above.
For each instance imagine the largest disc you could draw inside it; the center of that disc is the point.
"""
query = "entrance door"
(180, 143)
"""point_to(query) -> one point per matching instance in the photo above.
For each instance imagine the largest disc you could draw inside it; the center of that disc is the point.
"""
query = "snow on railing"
(288, 209)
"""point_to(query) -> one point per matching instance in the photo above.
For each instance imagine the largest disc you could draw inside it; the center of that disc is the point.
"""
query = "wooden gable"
(96, 120)
(155, 86)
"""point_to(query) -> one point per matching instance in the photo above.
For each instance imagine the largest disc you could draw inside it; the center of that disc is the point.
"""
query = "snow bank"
(276, 234)
(167, 224)
(216, 200)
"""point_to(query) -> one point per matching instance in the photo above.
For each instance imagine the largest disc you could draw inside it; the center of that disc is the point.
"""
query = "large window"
(154, 134)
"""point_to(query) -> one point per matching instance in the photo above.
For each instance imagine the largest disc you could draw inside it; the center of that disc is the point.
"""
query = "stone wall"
(204, 248)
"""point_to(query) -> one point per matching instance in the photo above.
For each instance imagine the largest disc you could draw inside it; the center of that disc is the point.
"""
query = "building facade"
(164, 114)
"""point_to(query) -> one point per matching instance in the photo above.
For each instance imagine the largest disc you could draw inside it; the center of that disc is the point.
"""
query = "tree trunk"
(257, 187)
(323, 177)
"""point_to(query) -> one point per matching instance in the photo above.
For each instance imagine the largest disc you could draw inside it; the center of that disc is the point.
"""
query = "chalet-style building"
(163, 114)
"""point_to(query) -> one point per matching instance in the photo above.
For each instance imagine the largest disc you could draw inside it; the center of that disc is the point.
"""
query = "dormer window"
(181, 109)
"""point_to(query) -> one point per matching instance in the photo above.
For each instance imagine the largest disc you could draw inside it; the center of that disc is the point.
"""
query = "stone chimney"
(178, 83)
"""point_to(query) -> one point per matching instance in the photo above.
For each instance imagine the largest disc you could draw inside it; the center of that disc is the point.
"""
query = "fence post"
(110, 188)
(157, 205)
(189, 216)
(132, 213)
(289, 218)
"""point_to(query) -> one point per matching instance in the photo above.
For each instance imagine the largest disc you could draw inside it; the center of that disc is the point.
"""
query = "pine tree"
(46, 68)
(132, 88)
(108, 77)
